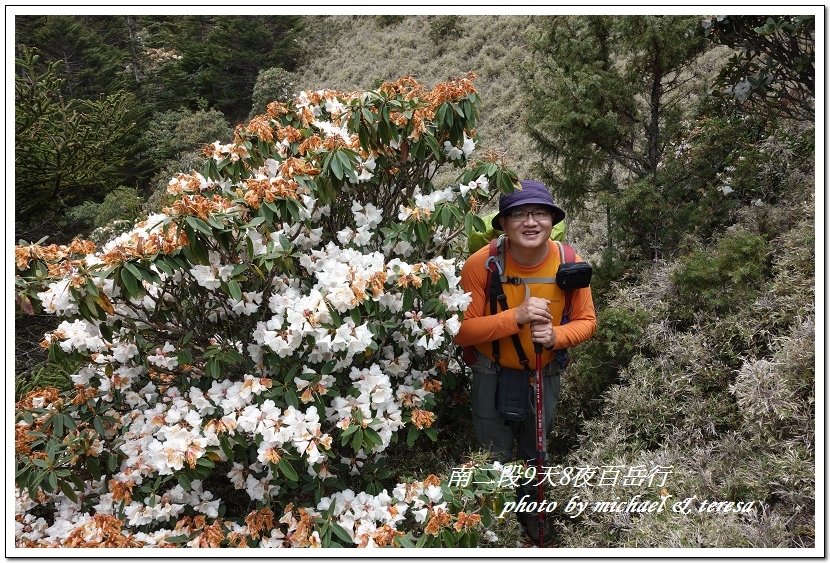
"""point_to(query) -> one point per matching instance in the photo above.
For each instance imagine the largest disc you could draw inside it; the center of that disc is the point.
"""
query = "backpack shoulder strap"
(495, 258)
(494, 294)
(567, 255)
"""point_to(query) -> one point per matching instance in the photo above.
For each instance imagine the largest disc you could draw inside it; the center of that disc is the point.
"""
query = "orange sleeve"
(478, 328)
(583, 320)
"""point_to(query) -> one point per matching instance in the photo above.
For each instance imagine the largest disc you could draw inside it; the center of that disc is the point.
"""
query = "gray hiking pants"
(491, 431)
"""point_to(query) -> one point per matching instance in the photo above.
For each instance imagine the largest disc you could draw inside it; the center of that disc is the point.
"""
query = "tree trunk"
(653, 128)
(133, 53)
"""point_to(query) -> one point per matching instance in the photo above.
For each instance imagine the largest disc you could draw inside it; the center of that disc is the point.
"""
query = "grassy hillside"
(351, 52)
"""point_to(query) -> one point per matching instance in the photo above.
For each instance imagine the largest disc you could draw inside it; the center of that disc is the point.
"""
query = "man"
(527, 217)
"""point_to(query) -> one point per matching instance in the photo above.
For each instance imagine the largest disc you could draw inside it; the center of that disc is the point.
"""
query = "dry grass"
(353, 52)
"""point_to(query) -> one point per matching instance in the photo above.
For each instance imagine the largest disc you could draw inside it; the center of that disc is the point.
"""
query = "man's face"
(528, 226)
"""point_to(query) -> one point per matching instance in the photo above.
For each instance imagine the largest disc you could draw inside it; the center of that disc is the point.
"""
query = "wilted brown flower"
(432, 480)
(432, 385)
(103, 530)
(122, 490)
(261, 127)
(439, 519)
(259, 521)
(212, 535)
(466, 521)
(40, 398)
(290, 134)
(422, 419)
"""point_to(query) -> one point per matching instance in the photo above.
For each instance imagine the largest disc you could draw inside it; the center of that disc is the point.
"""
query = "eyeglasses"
(521, 215)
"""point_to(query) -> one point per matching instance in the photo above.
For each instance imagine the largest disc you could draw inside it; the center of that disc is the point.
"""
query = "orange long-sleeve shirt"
(479, 328)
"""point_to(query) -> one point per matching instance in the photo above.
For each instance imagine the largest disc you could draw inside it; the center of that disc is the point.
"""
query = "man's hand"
(533, 310)
(543, 334)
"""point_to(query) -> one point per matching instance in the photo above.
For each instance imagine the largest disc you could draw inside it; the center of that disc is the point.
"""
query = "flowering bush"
(250, 353)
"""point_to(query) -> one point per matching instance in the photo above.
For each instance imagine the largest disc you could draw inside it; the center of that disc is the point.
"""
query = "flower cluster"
(261, 336)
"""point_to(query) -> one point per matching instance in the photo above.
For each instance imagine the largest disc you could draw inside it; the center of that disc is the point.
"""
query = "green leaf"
(199, 225)
(133, 270)
(431, 432)
(357, 440)
(341, 533)
(214, 222)
(287, 469)
(42, 463)
(52, 481)
(373, 436)
(441, 115)
(69, 422)
(423, 231)
(235, 290)
(205, 461)
(57, 425)
(478, 224)
(406, 541)
(350, 430)
(408, 299)
(67, 490)
(184, 482)
(256, 221)
(185, 357)
(227, 449)
(98, 425)
(337, 167)
(130, 283)
(411, 436)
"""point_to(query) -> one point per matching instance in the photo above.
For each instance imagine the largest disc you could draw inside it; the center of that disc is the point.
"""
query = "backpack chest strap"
(513, 280)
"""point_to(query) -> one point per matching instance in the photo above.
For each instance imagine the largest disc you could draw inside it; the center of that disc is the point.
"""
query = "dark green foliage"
(122, 203)
(90, 67)
(638, 217)
(729, 404)
(220, 58)
(47, 374)
(606, 96)
(386, 20)
(585, 114)
(271, 84)
(442, 27)
(66, 151)
(774, 70)
(169, 134)
(715, 281)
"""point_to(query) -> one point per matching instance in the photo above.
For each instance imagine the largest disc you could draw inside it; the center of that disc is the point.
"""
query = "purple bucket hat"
(532, 191)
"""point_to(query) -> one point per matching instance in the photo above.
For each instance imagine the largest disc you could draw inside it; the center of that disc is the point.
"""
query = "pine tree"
(90, 67)
(606, 95)
(66, 151)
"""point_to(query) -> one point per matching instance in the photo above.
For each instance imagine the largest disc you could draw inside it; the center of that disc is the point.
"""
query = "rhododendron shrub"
(249, 354)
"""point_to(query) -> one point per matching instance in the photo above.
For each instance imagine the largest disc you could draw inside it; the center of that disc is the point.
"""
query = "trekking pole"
(540, 441)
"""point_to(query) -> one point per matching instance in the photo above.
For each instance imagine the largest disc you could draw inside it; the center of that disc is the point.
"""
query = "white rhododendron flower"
(452, 152)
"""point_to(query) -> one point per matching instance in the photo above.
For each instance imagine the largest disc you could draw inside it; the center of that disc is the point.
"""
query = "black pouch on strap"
(513, 393)
(574, 275)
